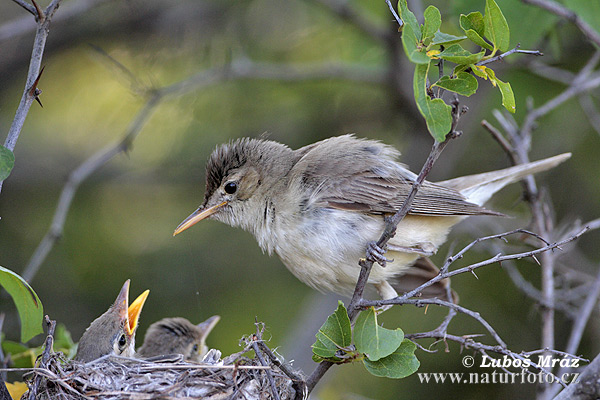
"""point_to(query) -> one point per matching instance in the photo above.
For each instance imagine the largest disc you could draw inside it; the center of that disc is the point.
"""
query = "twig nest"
(108, 378)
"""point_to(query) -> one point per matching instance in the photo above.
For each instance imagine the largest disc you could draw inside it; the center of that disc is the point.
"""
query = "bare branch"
(27, 7)
(563, 12)
(437, 302)
(29, 94)
(508, 53)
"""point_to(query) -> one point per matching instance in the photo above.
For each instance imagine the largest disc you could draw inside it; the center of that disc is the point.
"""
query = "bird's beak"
(130, 314)
(134, 310)
(208, 325)
(197, 216)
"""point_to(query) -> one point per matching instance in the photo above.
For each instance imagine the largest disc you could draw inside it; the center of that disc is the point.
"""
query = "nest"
(112, 378)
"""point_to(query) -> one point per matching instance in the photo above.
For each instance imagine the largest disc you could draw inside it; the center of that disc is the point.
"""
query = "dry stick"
(586, 387)
(30, 92)
(298, 383)
(44, 357)
(268, 372)
(562, 11)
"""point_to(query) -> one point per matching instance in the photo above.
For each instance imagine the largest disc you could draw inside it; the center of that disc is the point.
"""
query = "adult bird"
(321, 207)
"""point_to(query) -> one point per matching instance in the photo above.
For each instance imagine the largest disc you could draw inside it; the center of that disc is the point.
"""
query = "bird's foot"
(377, 254)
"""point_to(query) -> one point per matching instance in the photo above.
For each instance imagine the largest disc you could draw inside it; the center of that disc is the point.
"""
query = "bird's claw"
(377, 254)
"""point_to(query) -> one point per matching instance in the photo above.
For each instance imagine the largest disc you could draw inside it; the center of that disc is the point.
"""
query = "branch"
(424, 302)
(30, 93)
(587, 386)
(508, 53)
(558, 9)
(45, 357)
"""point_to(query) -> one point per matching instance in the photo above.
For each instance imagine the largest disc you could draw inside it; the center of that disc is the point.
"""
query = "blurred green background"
(123, 216)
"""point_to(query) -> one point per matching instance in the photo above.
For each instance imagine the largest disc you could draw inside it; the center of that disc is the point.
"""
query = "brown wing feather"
(362, 175)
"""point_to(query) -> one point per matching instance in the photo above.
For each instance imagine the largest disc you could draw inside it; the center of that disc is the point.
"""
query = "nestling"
(319, 207)
(114, 331)
(178, 336)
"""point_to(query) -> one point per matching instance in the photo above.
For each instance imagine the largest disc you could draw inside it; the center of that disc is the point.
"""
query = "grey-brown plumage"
(114, 331)
(177, 336)
(318, 207)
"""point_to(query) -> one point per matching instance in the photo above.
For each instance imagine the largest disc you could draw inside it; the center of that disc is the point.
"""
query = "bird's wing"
(362, 175)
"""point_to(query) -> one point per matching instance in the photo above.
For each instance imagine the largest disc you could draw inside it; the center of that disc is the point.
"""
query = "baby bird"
(178, 336)
(114, 331)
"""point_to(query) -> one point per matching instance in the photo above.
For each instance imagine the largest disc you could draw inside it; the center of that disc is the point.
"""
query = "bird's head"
(114, 331)
(239, 177)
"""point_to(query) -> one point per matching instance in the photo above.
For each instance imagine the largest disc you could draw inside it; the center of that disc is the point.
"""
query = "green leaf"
(335, 334)
(400, 364)
(464, 84)
(408, 17)
(433, 21)
(496, 27)
(7, 162)
(458, 55)
(474, 28)
(437, 113)
(508, 97)
(446, 39)
(21, 356)
(28, 303)
(373, 340)
(411, 36)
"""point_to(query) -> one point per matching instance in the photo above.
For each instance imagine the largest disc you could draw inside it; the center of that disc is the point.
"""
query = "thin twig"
(516, 49)
(398, 20)
(437, 302)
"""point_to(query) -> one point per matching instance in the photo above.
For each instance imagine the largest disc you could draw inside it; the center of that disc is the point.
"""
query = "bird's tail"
(480, 187)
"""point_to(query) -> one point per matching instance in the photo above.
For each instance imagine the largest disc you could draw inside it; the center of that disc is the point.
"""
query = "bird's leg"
(377, 254)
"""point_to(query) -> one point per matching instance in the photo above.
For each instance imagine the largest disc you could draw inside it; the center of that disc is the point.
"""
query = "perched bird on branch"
(177, 336)
(114, 331)
(323, 206)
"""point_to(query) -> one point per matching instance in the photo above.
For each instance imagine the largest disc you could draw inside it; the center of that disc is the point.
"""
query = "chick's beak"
(208, 325)
(133, 312)
(197, 216)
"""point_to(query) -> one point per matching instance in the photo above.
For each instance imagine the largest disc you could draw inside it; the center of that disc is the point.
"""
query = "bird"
(114, 331)
(322, 206)
(177, 336)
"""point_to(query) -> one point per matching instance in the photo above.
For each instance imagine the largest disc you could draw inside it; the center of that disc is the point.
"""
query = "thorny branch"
(516, 142)
(31, 91)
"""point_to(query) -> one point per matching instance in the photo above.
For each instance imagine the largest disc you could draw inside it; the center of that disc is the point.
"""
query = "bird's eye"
(230, 187)
(122, 342)
(195, 349)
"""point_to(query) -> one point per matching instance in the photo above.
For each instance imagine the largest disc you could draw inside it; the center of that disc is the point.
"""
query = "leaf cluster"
(425, 45)
(383, 352)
